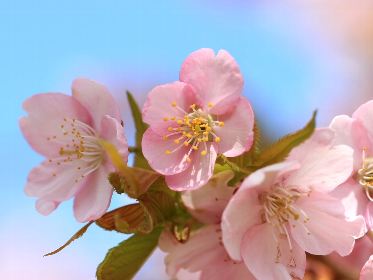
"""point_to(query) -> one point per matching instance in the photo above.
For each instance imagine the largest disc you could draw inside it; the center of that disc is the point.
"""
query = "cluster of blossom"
(318, 200)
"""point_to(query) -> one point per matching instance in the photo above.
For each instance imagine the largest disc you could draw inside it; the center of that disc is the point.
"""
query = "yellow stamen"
(203, 153)
(217, 139)
(173, 104)
(210, 105)
(165, 119)
(168, 152)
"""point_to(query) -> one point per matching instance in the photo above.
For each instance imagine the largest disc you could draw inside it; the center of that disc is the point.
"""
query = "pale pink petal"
(54, 182)
(94, 197)
(45, 207)
(369, 215)
(202, 253)
(159, 104)
(242, 212)
(96, 99)
(154, 148)
(269, 259)
(208, 202)
(46, 113)
(201, 248)
(352, 196)
(197, 174)
(364, 114)
(367, 271)
(266, 177)
(215, 79)
(351, 132)
(322, 173)
(113, 132)
(327, 229)
(237, 133)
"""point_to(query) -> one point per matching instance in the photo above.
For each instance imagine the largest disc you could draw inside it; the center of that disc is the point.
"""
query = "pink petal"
(242, 212)
(269, 259)
(208, 202)
(203, 253)
(197, 174)
(266, 177)
(96, 99)
(113, 132)
(327, 229)
(46, 113)
(215, 79)
(321, 173)
(94, 197)
(352, 196)
(237, 133)
(54, 182)
(158, 104)
(369, 215)
(364, 114)
(367, 271)
(45, 207)
(154, 148)
(351, 132)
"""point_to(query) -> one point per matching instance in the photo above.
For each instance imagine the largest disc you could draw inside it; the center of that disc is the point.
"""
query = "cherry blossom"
(68, 132)
(357, 132)
(284, 210)
(195, 119)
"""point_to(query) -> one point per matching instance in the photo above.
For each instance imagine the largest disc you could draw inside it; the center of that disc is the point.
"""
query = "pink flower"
(283, 210)
(194, 120)
(367, 271)
(203, 255)
(357, 132)
(68, 131)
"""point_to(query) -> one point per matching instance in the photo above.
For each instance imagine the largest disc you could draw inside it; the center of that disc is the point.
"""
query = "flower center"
(279, 209)
(79, 145)
(365, 175)
(193, 130)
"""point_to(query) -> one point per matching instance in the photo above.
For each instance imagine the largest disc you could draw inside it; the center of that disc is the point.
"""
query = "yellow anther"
(188, 159)
(173, 118)
(170, 128)
(173, 104)
(165, 137)
(195, 148)
(186, 143)
(205, 133)
(168, 152)
(165, 119)
(180, 122)
(189, 135)
(208, 128)
(203, 153)
(210, 105)
(176, 141)
(217, 139)
(221, 124)
(205, 139)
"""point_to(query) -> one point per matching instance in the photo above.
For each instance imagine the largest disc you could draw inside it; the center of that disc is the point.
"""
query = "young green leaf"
(125, 260)
(279, 150)
(140, 126)
(74, 237)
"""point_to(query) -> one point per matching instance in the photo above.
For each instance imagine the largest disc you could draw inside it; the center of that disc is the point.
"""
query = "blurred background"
(295, 56)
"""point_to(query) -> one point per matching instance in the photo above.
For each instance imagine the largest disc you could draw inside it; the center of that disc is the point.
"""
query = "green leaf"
(140, 126)
(132, 218)
(74, 237)
(279, 150)
(133, 181)
(125, 260)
